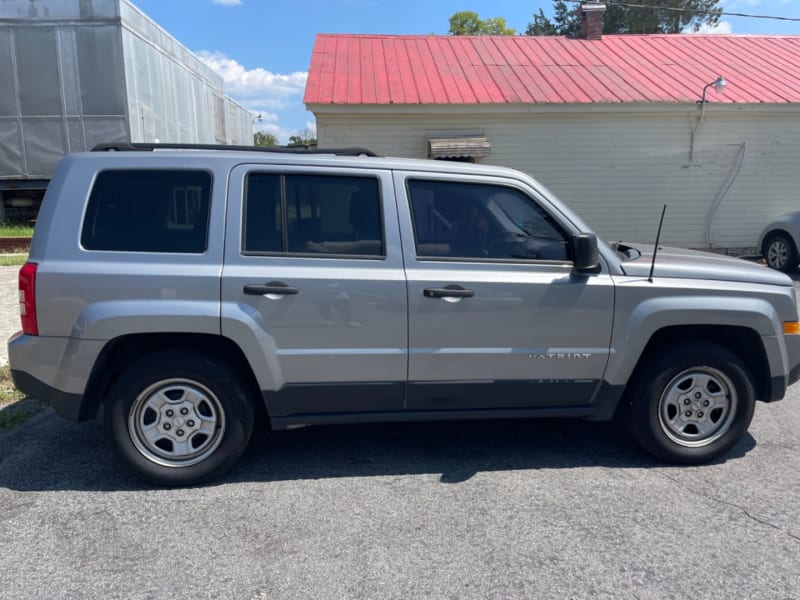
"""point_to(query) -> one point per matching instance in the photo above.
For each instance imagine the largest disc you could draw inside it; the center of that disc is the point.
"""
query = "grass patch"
(13, 260)
(7, 230)
(15, 407)
(8, 393)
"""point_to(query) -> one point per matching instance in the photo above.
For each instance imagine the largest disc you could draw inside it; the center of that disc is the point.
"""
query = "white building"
(613, 126)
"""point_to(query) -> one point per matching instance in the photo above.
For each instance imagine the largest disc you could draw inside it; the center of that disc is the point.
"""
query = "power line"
(719, 13)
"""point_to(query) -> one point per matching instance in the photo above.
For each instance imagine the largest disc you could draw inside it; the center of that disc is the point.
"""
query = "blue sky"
(262, 48)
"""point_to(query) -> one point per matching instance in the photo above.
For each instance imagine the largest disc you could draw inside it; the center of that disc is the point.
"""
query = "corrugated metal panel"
(75, 73)
(64, 89)
(172, 95)
(46, 10)
(384, 69)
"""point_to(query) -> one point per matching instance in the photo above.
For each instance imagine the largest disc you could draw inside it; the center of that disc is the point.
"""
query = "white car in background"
(779, 242)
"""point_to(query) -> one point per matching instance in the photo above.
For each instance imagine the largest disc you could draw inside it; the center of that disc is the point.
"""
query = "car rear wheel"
(691, 404)
(780, 252)
(178, 417)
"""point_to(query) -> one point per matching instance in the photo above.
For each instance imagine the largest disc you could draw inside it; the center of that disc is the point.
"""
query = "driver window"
(468, 220)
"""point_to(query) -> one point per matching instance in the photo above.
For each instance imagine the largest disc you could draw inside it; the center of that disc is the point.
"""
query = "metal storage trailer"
(77, 73)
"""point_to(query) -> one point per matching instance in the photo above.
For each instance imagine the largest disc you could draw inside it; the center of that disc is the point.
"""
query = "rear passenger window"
(148, 211)
(313, 214)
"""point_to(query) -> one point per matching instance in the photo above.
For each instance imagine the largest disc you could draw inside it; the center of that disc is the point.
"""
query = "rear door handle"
(448, 291)
(273, 287)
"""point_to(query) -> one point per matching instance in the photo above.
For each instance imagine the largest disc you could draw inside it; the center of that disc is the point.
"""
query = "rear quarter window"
(148, 211)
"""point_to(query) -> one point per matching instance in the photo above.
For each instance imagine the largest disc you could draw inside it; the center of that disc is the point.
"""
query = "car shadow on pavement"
(52, 454)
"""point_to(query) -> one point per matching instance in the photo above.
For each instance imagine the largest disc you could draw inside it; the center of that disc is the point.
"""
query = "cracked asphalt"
(539, 509)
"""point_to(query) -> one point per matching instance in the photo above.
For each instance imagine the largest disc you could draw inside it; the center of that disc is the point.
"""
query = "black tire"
(720, 406)
(178, 417)
(780, 252)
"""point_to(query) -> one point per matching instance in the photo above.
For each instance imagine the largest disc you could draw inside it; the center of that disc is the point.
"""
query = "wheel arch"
(744, 342)
(122, 351)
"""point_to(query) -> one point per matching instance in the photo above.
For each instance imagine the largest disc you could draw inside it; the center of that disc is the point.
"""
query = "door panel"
(531, 332)
(343, 321)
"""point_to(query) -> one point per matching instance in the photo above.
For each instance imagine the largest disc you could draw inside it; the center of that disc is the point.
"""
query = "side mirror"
(584, 252)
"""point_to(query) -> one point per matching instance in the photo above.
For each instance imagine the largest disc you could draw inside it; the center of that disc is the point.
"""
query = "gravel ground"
(9, 309)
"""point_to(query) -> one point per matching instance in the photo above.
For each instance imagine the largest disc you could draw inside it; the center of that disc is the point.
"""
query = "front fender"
(633, 331)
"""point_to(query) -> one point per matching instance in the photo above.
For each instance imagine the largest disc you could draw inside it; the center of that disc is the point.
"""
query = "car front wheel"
(691, 404)
(178, 417)
(780, 252)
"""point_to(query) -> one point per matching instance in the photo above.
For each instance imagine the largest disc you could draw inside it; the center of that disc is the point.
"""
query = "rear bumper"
(69, 406)
(55, 370)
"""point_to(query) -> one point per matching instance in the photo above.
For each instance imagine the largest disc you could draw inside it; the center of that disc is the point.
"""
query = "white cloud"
(257, 84)
(266, 117)
(260, 91)
(312, 127)
(721, 27)
(228, 2)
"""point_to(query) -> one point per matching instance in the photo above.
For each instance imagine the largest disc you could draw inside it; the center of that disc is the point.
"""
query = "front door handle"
(273, 287)
(448, 291)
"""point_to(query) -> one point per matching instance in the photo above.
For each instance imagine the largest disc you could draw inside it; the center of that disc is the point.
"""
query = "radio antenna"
(655, 248)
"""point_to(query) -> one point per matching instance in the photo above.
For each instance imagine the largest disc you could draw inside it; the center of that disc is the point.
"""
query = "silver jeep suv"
(189, 290)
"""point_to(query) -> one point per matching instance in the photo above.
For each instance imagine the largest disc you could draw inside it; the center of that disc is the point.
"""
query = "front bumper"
(790, 373)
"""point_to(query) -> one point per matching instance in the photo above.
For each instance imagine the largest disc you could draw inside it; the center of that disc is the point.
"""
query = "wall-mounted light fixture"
(719, 85)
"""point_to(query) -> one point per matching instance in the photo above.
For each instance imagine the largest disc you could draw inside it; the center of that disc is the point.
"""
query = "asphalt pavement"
(538, 509)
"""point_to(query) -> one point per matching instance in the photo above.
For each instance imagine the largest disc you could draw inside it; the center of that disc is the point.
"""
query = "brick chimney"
(592, 20)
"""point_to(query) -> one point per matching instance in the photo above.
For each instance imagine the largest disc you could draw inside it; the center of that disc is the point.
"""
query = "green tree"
(303, 138)
(467, 22)
(262, 138)
(692, 15)
(566, 20)
(541, 25)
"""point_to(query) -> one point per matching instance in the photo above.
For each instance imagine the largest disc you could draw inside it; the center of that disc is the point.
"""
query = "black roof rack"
(131, 147)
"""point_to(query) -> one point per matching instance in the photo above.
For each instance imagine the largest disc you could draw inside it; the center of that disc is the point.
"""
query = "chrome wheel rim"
(697, 407)
(176, 422)
(777, 254)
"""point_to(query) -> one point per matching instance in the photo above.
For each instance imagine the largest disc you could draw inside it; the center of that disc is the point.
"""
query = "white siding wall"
(616, 170)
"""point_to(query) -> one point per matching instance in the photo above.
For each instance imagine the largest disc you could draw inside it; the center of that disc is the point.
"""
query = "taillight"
(27, 299)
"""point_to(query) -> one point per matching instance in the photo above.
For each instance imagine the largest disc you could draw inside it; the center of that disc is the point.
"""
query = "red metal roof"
(408, 69)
